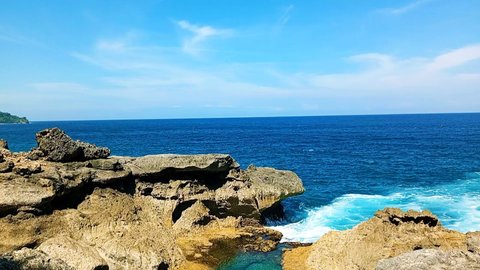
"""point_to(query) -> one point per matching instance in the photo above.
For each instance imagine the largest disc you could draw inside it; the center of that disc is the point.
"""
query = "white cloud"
(455, 58)
(200, 33)
(154, 77)
(404, 9)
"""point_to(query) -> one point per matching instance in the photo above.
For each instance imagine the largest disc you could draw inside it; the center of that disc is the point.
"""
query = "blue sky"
(182, 59)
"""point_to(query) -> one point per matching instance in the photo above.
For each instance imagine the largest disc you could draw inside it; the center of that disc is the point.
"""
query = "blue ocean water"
(351, 165)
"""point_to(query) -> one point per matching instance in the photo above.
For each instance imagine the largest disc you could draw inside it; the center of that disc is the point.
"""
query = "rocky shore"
(69, 205)
(391, 240)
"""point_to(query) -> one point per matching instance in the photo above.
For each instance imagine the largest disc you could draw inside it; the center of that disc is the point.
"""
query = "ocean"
(351, 166)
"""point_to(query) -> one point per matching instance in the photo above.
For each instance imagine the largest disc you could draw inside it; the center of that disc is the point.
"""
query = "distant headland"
(7, 118)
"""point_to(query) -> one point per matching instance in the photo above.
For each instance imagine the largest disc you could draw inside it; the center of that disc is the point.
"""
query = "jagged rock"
(158, 167)
(473, 242)
(35, 154)
(2, 158)
(111, 164)
(6, 166)
(153, 212)
(28, 259)
(3, 144)
(28, 169)
(197, 214)
(389, 233)
(74, 253)
(58, 146)
(271, 186)
(427, 259)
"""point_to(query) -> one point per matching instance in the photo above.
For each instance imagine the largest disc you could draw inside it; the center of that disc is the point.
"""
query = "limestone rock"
(197, 214)
(16, 192)
(3, 144)
(6, 166)
(58, 146)
(426, 259)
(74, 253)
(66, 205)
(181, 166)
(28, 259)
(389, 233)
(271, 185)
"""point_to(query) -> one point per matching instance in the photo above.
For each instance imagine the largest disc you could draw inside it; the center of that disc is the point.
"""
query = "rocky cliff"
(391, 240)
(68, 205)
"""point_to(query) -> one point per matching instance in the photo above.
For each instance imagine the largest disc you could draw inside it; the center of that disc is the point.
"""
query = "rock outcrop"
(55, 145)
(67, 205)
(390, 233)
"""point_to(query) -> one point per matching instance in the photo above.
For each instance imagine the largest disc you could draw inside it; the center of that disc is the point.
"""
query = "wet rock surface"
(67, 205)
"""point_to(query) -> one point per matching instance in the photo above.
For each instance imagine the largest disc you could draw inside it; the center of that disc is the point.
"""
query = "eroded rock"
(427, 259)
(60, 209)
(58, 146)
(389, 233)
(3, 144)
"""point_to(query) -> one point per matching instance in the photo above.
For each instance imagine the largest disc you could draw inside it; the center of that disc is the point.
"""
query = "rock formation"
(67, 205)
(391, 240)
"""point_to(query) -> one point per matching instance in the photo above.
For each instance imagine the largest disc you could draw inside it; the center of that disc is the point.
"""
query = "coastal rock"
(160, 167)
(6, 166)
(3, 144)
(389, 233)
(60, 209)
(58, 146)
(427, 259)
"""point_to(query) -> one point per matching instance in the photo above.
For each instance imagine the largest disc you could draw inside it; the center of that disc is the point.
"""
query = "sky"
(74, 60)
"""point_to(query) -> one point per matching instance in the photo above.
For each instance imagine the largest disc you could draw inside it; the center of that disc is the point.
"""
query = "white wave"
(456, 204)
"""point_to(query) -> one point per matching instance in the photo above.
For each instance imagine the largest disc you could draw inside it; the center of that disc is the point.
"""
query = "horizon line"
(253, 117)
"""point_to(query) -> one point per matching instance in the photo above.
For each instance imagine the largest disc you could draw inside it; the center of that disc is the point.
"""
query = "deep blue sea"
(350, 165)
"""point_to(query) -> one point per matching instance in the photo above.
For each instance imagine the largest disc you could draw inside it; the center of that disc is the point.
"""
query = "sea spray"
(457, 204)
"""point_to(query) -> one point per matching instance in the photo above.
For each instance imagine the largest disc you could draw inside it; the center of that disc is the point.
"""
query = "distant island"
(6, 118)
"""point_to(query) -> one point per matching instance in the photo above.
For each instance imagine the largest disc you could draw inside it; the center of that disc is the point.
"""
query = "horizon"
(253, 117)
(90, 60)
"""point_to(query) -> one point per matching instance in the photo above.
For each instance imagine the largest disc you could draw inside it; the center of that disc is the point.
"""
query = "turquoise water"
(350, 165)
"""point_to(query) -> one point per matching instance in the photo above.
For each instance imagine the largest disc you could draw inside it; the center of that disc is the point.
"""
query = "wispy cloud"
(284, 17)
(198, 35)
(9, 35)
(455, 58)
(384, 83)
(404, 9)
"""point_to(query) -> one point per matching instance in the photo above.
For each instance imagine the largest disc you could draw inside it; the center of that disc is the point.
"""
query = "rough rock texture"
(389, 233)
(3, 144)
(153, 212)
(58, 146)
(427, 259)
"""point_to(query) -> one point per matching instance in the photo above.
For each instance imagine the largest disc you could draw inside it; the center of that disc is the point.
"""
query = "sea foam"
(457, 205)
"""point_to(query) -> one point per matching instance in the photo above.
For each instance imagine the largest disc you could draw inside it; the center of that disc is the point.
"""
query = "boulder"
(58, 146)
(389, 233)
(270, 185)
